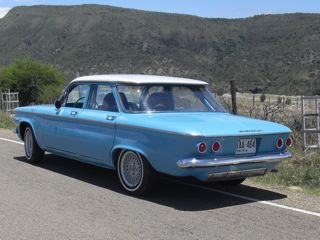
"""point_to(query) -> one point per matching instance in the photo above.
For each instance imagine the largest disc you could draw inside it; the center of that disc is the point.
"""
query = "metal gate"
(9, 101)
(310, 112)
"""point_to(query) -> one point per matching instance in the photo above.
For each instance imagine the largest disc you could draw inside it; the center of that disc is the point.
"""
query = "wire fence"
(310, 117)
(9, 101)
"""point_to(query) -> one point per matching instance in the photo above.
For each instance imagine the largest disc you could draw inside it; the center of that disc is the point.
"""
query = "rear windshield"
(167, 98)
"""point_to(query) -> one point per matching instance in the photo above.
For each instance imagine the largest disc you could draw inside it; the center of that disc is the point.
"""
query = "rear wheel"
(31, 148)
(135, 173)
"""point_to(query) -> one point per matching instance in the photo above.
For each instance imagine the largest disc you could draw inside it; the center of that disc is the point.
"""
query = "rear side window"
(102, 98)
(186, 99)
(78, 96)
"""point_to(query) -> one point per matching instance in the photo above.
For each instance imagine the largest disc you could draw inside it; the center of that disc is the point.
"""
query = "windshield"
(167, 98)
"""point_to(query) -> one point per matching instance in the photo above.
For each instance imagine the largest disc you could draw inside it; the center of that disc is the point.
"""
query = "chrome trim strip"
(151, 129)
(71, 118)
(157, 130)
(229, 161)
(105, 122)
(196, 135)
(246, 135)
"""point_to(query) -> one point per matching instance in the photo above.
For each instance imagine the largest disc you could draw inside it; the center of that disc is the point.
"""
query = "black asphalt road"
(64, 199)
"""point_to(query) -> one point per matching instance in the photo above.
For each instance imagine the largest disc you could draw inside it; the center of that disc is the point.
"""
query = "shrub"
(263, 97)
(288, 101)
(6, 121)
(220, 92)
(36, 82)
(279, 100)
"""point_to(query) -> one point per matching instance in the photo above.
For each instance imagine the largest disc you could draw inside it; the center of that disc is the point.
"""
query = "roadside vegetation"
(6, 121)
(36, 82)
(302, 170)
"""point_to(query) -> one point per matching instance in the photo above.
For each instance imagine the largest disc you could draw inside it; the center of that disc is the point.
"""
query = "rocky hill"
(274, 53)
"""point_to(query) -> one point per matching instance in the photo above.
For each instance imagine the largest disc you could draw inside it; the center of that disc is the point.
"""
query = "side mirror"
(57, 104)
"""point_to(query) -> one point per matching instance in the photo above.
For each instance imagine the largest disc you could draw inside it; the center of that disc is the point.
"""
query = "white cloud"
(3, 11)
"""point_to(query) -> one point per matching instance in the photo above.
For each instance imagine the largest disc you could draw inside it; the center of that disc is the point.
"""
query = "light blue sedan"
(142, 124)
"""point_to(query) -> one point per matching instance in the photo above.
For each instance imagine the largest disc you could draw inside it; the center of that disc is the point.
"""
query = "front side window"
(102, 98)
(167, 98)
(77, 96)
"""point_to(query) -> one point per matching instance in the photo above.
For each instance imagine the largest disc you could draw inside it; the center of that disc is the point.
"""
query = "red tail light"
(202, 147)
(216, 146)
(279, 143)
(289, 142)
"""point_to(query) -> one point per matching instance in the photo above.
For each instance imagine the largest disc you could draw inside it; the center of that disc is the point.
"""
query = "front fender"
(30, 120)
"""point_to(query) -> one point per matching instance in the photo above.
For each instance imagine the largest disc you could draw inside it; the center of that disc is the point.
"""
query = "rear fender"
(116, 151)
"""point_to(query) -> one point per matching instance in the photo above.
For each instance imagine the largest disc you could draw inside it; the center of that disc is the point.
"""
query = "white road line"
(252, 199)
(224, 193)
(9, 140)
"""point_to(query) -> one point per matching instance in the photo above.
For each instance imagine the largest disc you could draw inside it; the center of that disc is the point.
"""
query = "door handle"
(73, 113)
(111, 118)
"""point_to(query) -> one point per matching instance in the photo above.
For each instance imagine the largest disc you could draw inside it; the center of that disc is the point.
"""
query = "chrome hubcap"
(131, 169)
(28, 143)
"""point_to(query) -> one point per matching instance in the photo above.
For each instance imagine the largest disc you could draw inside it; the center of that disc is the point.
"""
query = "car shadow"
(177, 193)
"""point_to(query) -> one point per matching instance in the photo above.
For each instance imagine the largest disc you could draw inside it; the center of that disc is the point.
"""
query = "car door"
(62, 133)
(96, 127)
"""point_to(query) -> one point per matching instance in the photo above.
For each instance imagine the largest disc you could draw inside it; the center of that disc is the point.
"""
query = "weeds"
(6, 121)
(302, 169)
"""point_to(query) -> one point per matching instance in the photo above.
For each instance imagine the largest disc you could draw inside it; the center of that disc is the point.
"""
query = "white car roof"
(138, 79)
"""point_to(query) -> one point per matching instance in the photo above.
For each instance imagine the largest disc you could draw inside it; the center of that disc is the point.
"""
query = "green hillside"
(277, 53)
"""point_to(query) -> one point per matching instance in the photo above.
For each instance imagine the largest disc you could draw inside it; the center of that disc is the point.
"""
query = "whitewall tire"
(135, 173)
(32, 150)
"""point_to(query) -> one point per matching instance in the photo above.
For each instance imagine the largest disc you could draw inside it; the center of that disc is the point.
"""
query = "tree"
(316, 92)
(36, 82)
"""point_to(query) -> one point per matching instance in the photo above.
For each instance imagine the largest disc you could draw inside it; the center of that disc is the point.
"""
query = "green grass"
(6, 121)
(301, 170)
(304, 173)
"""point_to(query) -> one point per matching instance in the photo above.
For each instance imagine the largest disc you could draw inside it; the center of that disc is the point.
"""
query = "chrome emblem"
(246, 131)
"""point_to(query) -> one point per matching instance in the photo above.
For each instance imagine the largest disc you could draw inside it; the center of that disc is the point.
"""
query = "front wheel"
(31, 148)
(135, 173)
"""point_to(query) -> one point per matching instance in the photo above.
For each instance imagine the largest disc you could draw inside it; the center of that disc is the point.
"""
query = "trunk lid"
(214, 124)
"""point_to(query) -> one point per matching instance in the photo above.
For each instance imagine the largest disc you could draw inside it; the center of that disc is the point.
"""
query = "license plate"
(246, 146)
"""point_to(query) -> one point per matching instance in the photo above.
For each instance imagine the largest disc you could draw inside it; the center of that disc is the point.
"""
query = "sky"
(203, 8)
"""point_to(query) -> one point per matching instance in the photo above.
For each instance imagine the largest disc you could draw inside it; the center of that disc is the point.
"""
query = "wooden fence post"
(253, 101)
(9, 101)
(233, 91)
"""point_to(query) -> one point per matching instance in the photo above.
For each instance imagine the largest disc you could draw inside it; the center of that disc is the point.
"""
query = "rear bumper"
(231, 161)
